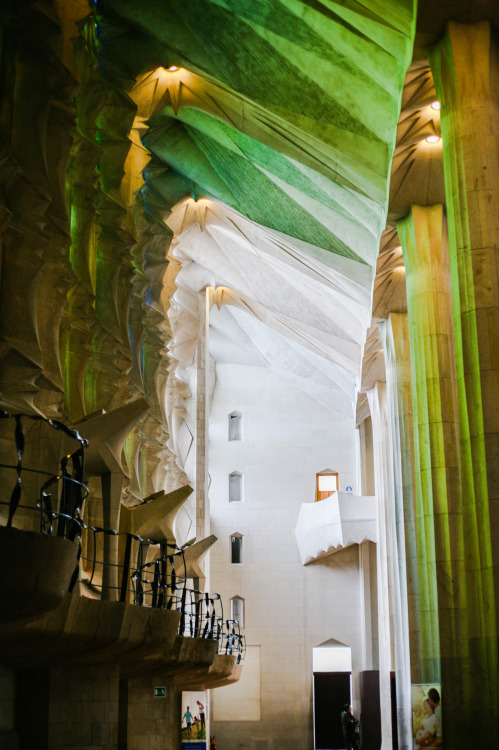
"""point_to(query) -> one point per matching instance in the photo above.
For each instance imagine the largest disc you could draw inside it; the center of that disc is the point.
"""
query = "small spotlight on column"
(433, 139)
(435, 105)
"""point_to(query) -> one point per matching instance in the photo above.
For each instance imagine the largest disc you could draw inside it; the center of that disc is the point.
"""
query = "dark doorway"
(393, 688)
(371, 714)
(371, 711)
(31, 710)
(331, 692)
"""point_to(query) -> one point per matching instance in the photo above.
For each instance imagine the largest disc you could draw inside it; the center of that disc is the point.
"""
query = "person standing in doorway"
(349, 725)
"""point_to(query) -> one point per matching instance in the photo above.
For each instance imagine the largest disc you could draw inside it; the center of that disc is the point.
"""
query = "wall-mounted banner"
(194, 720)
(427, 715)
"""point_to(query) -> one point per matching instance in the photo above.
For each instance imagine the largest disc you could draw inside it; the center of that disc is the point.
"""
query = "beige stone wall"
(153, 723)
(83, 711)
(289, 608)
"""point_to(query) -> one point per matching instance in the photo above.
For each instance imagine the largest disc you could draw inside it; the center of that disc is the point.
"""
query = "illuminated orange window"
(327, 484)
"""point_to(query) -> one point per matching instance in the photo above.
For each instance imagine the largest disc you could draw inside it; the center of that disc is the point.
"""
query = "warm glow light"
(433, 139)
(328, 482)
(435, 105)
(173, 69)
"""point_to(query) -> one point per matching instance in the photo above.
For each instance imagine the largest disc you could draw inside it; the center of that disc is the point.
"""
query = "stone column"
(365, 605)
(367, 550)
(112, 485)
(202, 363)
(398, 513)
(439, 519)
(465, 66)
(400, 359)
(384, 495)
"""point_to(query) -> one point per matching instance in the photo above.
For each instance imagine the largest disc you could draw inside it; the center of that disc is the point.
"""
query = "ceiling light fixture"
(435, 105)
(173, 69)
(433, 138)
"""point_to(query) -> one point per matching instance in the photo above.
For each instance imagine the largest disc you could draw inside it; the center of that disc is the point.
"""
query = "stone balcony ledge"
(332, 524)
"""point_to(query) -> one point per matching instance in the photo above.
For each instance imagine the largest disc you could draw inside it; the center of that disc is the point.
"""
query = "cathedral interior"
(249, 390)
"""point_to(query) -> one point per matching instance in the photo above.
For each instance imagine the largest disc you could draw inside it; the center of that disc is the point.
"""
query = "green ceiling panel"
(333, 70)
(222, 171)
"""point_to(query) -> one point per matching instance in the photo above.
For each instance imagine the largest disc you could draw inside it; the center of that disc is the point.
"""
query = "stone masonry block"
(78, 734)
(92, 711)
(100, 734)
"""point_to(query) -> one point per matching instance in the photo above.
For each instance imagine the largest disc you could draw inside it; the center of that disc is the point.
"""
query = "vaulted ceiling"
(270, 129)
(245, 146)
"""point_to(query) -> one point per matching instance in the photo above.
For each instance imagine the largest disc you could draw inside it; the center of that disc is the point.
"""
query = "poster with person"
(193, 721)
(427, 715)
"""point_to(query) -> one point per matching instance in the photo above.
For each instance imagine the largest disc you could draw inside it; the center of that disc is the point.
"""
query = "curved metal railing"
(230, 640)
(158, 583)
(70, 478)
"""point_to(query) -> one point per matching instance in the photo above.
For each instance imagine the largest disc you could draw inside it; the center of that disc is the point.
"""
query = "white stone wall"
(287, 438)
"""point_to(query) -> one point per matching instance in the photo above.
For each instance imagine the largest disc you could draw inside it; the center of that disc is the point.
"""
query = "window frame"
(239, 499)
(233, 536)
(238, 598)
(239, 428)
(325, 493)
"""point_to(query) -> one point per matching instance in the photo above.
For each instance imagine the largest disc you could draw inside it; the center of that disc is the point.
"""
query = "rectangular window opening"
(237, 611)
(235, 488)
(327, 484)
(236, 550)
(235, 427)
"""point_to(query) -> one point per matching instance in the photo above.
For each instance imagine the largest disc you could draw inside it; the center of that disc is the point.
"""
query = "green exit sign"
(160, 692)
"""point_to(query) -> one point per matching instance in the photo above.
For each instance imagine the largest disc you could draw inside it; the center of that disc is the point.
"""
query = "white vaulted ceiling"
(298, 310)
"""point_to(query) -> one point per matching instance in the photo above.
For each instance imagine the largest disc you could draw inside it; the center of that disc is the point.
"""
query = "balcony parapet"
(222, 671)
(143, 616)
(89, 631)
(332, 524)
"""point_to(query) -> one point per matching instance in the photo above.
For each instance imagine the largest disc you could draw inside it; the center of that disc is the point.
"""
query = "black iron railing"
(203, 614)
(230, 640)
(69, 478)
(159, 583)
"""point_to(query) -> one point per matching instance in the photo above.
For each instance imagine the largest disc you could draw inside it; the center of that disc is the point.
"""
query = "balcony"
(332, 524)
(76, 593)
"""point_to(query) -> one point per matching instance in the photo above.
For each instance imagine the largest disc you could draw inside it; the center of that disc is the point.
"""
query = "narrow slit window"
(235, 426)
(235, 487)
(327, 484)
(237, 610)
(236, 549)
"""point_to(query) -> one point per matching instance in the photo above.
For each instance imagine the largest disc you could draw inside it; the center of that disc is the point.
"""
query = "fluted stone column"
(367, 572)
(202, 362)
(384, 553)
(439, 517)
(112, 486)
(465, 66)
(398, 368)
(399, 510)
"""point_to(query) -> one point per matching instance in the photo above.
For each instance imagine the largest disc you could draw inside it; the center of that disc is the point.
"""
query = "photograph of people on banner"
(193, 720)
(427, 715)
